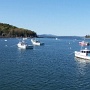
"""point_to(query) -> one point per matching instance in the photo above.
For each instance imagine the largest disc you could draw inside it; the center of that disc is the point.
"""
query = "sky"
(56, 17)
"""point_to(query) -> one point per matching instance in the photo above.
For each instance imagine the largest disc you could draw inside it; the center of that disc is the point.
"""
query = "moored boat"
(83, 53)
(23, 45)
(83, 43)
(36, 42)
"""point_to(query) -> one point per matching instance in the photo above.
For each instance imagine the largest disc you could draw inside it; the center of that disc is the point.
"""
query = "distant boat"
(36, 42)
(25, 38)
(23, 45)
(56, 38)
(83, 53)
(83, 43)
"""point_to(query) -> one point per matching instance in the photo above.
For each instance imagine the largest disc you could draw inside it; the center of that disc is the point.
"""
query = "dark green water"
(48, 67)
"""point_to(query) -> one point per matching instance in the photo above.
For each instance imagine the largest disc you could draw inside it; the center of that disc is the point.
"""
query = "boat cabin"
(86, 52)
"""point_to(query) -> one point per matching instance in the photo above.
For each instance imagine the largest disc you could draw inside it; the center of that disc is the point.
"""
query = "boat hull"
(38, 44)
(25, 46)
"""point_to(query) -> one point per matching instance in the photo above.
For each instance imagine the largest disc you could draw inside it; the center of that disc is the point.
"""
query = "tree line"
(7, 30)
(87, 36)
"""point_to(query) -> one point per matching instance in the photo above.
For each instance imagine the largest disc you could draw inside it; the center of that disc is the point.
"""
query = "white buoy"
(5, 40)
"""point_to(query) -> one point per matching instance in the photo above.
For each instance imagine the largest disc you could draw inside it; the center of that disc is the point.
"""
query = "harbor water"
(48, 67)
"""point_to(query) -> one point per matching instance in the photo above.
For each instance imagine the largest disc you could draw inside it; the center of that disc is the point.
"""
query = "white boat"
(83, 53)
(23, 45)
(36, 42)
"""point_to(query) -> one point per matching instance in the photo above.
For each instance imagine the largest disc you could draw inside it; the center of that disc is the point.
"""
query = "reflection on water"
(82, 60)
(21, 50)
(81, 65)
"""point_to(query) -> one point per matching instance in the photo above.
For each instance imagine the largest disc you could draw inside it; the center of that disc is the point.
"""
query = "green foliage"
(87, 36)
(7, 30)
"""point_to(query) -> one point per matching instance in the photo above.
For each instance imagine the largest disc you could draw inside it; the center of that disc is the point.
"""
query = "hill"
(7, 30)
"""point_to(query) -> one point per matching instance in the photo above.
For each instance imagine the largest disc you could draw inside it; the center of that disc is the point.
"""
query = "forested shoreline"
(7, 30)
(87, 36)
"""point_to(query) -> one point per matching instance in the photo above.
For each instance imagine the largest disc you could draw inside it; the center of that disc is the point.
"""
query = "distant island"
(47, 36)
(87, 36)
(7, 30)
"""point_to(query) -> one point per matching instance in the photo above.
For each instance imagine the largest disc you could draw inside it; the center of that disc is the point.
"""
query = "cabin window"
(85, 51)
(82, 51)
(88, 51)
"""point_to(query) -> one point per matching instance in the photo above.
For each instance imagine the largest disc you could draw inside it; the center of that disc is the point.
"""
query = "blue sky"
(57, 17)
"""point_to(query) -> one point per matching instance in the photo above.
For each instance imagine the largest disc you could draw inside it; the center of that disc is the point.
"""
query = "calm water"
(48, 67)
